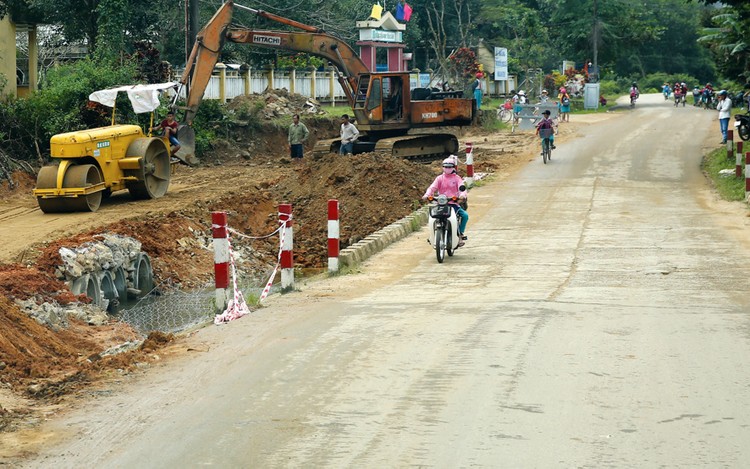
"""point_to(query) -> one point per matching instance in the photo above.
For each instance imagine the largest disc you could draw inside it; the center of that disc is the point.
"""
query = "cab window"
(375, 97)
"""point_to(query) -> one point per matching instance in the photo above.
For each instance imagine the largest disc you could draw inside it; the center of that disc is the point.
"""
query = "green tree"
(518, 27)
(727, 41)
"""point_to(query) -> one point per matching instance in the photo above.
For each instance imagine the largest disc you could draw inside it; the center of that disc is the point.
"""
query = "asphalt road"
(599, 316)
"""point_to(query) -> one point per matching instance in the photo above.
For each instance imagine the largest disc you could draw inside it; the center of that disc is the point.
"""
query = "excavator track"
(418, 148)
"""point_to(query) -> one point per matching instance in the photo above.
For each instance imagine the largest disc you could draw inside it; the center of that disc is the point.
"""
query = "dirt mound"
(35, 358)
(273, 103)
(18, 183)
(373, 191)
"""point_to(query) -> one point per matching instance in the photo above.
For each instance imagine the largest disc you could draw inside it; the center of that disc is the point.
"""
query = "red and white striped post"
(738, 161)
(333, 236)
(469, 164)
(747, 175)
(221, 259)
(287, 255)
(730, 141)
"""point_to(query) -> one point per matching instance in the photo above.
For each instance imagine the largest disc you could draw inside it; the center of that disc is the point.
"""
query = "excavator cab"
(379, 104)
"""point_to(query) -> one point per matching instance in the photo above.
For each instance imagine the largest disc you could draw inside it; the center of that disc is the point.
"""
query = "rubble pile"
(275, 103)
(106, 271)
(55, 315)
(111, 252)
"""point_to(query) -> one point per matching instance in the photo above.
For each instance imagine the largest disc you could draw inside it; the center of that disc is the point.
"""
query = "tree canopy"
(696, 37)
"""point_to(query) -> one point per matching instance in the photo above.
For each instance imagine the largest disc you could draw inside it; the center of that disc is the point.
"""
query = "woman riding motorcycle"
(450, 184)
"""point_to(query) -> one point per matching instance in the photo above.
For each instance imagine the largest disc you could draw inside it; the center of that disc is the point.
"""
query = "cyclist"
(547, 123)
(708, 95)
(696, 95)
(678, 96)
(634, 93)
(666, 90)
(449, 183)
(519, 99)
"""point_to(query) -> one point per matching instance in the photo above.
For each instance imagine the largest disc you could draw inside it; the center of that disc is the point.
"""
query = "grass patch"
(729, 188)
(338, 110)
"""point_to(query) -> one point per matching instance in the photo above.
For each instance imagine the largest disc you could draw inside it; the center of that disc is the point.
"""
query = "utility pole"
(595, 37)
(191, 30)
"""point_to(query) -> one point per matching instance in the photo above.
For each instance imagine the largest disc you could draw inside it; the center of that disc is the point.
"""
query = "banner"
(407, 11)
(377, 12)
(400, 11)
(501, 64)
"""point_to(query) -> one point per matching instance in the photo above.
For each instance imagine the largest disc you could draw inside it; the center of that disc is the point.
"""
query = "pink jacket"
(446, 184)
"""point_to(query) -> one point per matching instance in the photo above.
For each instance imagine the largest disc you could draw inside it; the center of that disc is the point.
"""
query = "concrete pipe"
(108, 291)
(143, 276)
(121, 283)
(87, 285)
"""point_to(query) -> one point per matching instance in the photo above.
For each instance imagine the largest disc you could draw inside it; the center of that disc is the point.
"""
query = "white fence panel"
(234, 84)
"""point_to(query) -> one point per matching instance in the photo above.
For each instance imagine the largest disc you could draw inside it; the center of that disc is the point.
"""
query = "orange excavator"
(392, 117)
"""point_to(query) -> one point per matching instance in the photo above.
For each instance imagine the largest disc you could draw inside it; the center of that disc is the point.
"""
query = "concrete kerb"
(379, 240)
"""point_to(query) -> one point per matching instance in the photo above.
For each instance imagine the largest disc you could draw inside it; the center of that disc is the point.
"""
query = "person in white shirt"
(349, 135)
(725, 112)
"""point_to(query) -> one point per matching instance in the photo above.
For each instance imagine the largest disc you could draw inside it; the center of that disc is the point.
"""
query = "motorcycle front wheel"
(440, 244)
(744, 132)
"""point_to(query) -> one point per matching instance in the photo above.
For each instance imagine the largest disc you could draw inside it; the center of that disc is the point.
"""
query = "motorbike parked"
(738, 99)
(742, 123)
(443, 225)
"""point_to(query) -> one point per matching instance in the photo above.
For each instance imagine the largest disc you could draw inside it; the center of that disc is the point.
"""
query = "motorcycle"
(738, 99)
(742, 122)
(633, 98)
(443, 225)
(678, 99)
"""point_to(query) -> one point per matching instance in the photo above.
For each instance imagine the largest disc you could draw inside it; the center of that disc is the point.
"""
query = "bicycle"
(505, 112)
(546, 144)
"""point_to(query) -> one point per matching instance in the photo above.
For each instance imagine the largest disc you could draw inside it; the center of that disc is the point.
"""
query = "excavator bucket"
(186, 153)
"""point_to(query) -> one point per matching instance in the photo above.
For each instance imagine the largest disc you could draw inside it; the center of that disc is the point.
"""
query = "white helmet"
(450, 162)
(521, 93)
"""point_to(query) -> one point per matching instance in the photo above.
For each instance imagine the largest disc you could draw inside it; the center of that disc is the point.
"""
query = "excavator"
(392, 118)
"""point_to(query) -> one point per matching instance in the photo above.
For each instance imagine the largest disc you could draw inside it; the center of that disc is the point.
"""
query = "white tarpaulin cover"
(144, 98)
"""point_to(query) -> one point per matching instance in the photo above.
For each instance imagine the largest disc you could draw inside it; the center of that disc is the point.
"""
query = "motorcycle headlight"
(442, 199)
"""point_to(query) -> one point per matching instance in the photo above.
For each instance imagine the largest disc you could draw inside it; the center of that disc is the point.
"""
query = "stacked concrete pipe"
(109, 271)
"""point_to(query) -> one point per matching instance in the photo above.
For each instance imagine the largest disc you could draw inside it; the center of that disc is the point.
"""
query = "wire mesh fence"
(170, 312)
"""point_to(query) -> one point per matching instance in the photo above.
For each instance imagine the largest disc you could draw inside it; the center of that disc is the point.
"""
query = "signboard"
(380, 35)
(419, 80)
(501, 64)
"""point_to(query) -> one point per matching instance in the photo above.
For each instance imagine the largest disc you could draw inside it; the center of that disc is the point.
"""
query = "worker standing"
(298, 134)
(349, 135)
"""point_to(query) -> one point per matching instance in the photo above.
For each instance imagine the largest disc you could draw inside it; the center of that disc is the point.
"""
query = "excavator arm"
(211, 39)
(319, 44)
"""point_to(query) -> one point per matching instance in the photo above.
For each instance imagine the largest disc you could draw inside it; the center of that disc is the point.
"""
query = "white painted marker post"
(469, 164)
(333, 236)
(221, 259)
(287, 254)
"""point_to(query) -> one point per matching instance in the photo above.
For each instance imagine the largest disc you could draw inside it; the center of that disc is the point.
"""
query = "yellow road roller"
(91, 164)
